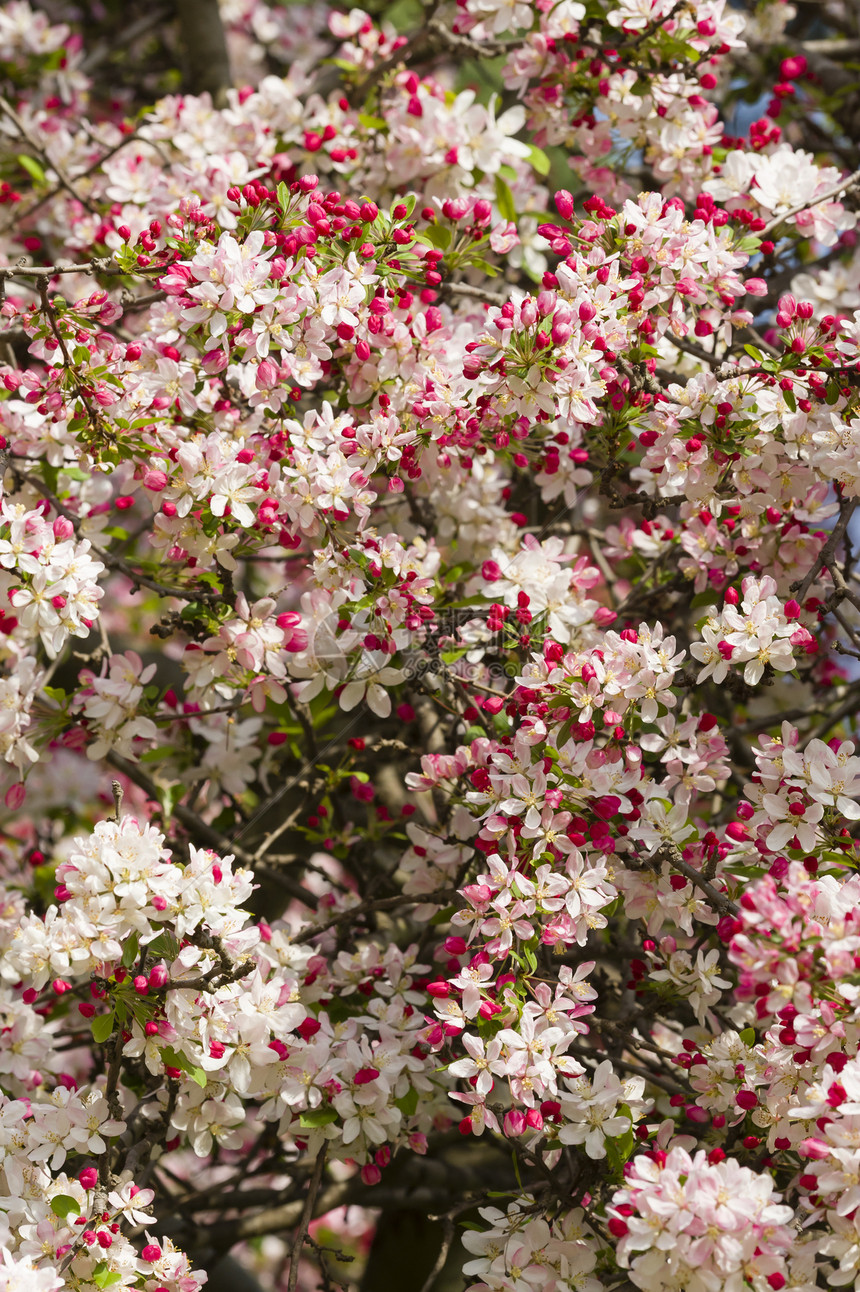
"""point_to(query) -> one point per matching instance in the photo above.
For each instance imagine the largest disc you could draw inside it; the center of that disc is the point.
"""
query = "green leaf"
(754, 353)
(408, 1103)
(832, 394)
(539, 160)
(371, 123)
(438, 235)
(283, 191)
(32, 167)
(103, 1276)
(62, 1205)
(317, 1117)
(505, 201)
(441, 917)
(748, 1036)
(165, 945)
(618, 1150)
(102, 1026)
(129, 951)
(168, 796)
(791, 402)
(176, 1059)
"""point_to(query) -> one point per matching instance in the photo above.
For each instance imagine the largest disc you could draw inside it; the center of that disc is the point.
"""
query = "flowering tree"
(428, 646)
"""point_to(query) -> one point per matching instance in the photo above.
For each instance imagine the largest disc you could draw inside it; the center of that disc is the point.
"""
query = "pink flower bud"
(483, 212)
(817, 1149)
(151, 1252)
(791, 68)
(155, 480)
(267, 375)
(141, 985)
(15, 796)
(563, 203)
(515, 1122)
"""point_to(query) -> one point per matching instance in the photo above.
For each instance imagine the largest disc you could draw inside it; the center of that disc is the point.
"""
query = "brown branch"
(828, 551)
(379, 904)
(130, 33)
(213, 983)
(98, 265)
(307, 1217)
(51, 314)
(720, 901)
(477, 293)
(206, 834)
(844, 187)
(431, 39)
(439, 1263)
(137, 577)
(38, 148)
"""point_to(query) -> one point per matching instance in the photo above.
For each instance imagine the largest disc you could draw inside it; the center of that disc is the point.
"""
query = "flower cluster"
(434, 509)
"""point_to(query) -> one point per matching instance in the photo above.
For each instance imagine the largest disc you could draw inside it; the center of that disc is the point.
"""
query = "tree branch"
(828, 551)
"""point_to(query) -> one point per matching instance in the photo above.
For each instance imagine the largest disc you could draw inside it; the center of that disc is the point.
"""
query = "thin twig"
(720, 901)
(439, 1263)
(478, 293)
(440, 895)
(38, 148)
(842, 188)
(202, 831)
(307, 1216)
(828, 551)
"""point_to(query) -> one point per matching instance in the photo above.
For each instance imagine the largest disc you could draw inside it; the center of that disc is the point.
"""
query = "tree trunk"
(207, 65)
